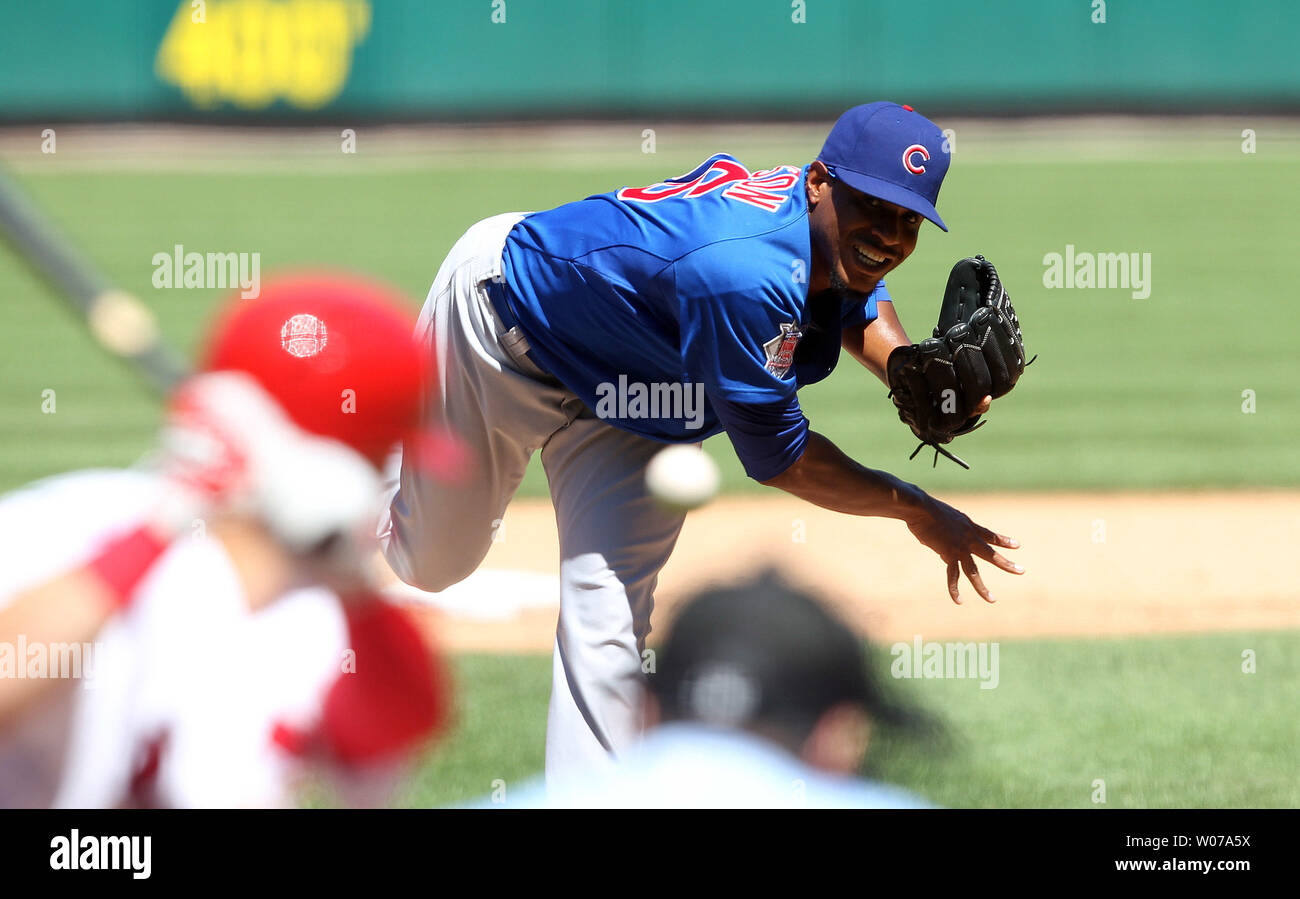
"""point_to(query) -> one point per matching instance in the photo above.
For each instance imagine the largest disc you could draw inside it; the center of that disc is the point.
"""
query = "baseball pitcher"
(600, 330)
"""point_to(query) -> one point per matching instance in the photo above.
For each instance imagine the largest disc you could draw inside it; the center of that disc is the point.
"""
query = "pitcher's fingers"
(973, 575)
(952, 582)
(998, 540)
(987, 552)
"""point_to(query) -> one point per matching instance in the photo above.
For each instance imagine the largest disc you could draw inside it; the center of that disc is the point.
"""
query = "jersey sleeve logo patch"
(780, 349)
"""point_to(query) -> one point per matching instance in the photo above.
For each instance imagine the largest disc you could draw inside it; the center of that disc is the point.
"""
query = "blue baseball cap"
(891, 152)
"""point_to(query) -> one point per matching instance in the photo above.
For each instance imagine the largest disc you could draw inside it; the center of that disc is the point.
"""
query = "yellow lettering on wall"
(253, 52)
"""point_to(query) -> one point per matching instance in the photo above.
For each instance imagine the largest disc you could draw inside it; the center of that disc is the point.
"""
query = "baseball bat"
(121, 324)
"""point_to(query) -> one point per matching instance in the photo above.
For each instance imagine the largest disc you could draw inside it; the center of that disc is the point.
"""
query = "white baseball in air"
(683, 477)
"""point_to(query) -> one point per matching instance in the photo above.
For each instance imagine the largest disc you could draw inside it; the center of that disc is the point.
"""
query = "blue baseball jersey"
(681, 309)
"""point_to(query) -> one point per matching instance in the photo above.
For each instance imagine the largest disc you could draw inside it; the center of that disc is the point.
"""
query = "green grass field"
(1127, 393)
(1165, 723)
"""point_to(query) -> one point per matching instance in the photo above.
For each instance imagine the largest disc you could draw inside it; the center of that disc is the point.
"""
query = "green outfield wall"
(413, 59)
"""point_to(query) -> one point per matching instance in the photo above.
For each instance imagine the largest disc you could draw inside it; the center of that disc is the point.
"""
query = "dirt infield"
(1096, 564)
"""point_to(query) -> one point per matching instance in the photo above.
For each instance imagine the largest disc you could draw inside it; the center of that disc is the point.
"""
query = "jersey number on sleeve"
(766, 189)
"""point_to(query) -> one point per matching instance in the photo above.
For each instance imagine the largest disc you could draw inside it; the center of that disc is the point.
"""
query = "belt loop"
(496, 292)
(512, 336)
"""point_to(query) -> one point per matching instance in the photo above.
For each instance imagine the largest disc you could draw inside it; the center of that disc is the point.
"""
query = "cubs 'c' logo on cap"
(915, 150)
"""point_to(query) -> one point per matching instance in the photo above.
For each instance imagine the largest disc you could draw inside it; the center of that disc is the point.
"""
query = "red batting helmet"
(336, 351)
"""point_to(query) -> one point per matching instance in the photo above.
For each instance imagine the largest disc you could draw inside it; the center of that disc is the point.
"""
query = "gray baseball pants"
(614, 538)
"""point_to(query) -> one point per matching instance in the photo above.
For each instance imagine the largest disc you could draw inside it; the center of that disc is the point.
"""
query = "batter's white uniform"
(614, 536)
(187, 695)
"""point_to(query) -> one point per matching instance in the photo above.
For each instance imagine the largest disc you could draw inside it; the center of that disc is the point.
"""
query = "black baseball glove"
(977, 350)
